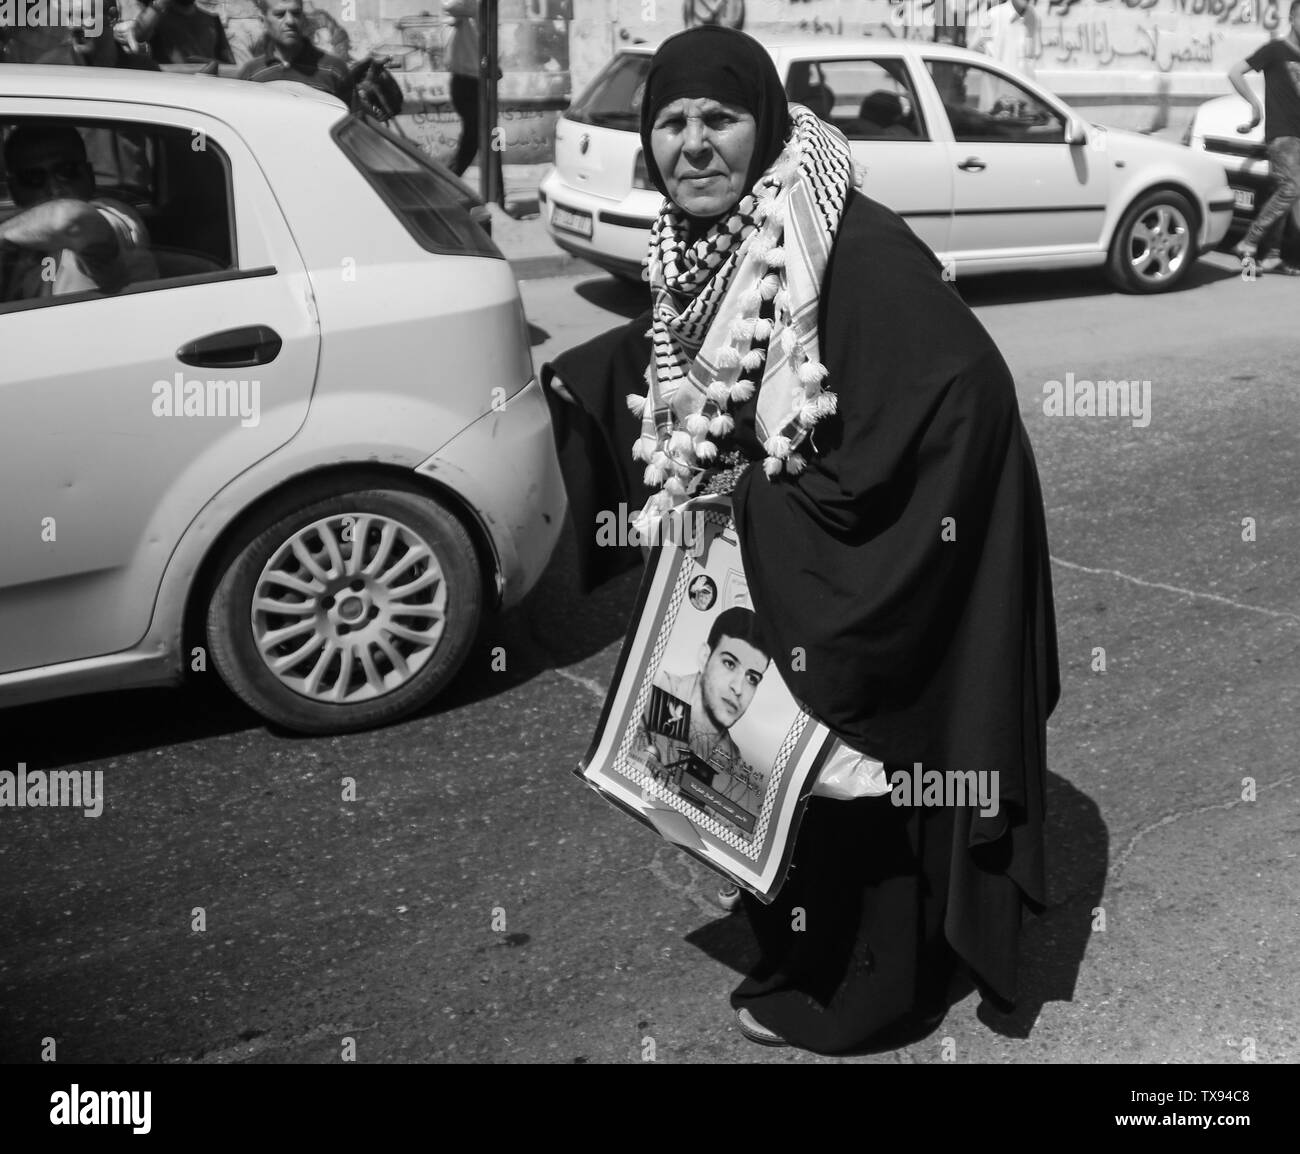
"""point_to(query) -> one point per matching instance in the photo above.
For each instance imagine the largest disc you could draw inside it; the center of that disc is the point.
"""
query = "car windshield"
(613, 99)
(433, 205)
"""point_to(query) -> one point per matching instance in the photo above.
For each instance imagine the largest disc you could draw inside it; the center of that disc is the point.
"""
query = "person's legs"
(464, 99)
(1265, 232)
(852, 950)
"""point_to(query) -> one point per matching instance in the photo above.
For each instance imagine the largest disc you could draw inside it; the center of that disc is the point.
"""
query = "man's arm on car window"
(71, 224)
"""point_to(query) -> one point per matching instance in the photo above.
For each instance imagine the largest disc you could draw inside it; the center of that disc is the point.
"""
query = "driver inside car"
(64, 239)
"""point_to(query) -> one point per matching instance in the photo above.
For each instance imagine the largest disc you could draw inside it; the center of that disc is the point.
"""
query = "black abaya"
(852, 951)
(908, 567)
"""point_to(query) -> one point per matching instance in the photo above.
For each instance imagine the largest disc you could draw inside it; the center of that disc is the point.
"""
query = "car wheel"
(348, 613)
(1155, 244)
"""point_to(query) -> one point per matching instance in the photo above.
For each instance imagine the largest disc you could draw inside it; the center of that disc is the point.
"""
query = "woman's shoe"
(756, 1032)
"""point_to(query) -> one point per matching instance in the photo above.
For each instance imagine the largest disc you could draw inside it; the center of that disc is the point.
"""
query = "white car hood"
(1137, 146)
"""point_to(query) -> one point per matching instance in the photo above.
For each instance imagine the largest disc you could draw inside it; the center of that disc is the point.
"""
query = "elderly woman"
(805, 354)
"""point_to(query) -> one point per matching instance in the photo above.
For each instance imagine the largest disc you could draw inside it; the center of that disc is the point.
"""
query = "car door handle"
(232, 348)
(972, 164)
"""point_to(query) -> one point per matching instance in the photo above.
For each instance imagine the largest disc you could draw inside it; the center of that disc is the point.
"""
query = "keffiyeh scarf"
(736, 312)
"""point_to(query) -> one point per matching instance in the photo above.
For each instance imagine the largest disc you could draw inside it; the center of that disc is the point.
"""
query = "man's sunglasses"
(40, 177)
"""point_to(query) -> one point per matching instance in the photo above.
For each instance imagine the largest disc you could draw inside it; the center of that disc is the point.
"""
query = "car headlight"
(640, 175)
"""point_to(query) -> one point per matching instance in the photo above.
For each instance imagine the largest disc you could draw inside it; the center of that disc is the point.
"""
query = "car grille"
(1242, 148)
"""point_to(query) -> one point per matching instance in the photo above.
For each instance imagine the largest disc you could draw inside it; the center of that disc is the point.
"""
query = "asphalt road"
(476, 902)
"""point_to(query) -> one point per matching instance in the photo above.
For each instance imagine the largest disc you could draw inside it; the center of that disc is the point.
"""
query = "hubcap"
(1159, 244)
(349, 608)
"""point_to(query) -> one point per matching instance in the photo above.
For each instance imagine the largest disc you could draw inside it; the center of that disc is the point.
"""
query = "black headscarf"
(724, 65)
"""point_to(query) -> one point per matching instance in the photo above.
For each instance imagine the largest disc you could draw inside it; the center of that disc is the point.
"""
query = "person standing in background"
(1008, 34)
(725, 13)
(291, 56)
(178, 32)
(463, 64)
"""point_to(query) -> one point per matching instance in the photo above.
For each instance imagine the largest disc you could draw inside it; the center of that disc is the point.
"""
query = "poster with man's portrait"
(700, 737)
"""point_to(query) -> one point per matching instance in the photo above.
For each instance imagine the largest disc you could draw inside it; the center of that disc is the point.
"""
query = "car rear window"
(434, 207)
(613, 99)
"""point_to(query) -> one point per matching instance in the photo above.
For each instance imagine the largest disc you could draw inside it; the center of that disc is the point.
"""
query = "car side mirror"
(1076, 132)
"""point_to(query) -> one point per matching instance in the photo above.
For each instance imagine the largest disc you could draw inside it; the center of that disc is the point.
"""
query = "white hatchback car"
(308, 449)
(992, 171)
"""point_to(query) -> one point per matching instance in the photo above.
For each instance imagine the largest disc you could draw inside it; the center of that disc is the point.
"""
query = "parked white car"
(991, 170)
(309, 451)
(1243, 155)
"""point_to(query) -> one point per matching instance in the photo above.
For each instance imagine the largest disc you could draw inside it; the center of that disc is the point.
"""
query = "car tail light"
(640, 176)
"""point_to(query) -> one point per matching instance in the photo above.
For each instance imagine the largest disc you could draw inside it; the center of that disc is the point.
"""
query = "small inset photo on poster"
(700, 737)
(702, 592)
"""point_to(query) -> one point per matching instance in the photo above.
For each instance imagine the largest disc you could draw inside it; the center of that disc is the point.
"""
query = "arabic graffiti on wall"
(527, 135)
(1134, 35)
(1092, 42)
(1265, 14)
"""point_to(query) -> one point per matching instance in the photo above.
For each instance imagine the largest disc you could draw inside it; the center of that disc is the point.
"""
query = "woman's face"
(703, 148)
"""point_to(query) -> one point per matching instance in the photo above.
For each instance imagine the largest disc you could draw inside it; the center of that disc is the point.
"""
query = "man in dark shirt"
(293, 57)
(1279, 60)
(179, 32)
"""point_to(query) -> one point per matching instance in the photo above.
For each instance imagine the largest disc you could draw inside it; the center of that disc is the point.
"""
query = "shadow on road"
(106, 725)
(629, 300)
(1052, 945)
(1020, 287)
(615, 294)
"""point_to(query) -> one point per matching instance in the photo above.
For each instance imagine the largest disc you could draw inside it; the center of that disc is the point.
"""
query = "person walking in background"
(463, 63)
(1279, 61)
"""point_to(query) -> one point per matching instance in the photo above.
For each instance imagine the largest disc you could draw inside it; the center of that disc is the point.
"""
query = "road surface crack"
(1112, 874)
(1195, 594)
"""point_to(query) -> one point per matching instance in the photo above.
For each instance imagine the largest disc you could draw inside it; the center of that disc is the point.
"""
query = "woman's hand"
(561, 390)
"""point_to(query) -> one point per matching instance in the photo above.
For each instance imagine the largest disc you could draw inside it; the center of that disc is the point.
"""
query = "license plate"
(1243, 199)
(570, 220)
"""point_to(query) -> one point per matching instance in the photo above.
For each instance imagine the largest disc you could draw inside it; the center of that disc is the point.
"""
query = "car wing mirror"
(1076, 132)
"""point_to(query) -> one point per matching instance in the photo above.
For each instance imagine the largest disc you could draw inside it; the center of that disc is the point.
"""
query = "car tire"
(320, 638)
(1154, 246)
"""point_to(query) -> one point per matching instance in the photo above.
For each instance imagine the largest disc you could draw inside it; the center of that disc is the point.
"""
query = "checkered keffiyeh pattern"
(737, 311)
